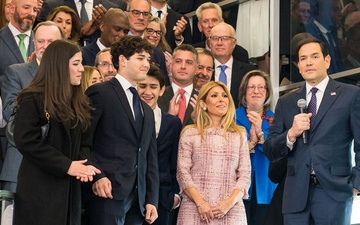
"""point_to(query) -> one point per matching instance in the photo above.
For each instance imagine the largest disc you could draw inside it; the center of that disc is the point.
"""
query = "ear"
(122, 61)
(327, 61)
(199, 26)
(102, 27)
(202, 104)
(12, 9)
(162, 90)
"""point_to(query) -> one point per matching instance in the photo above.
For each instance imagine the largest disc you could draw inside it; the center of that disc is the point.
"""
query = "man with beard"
(16, 43)
(205, 68)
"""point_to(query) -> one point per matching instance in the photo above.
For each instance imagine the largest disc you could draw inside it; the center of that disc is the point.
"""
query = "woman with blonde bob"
(213, 162)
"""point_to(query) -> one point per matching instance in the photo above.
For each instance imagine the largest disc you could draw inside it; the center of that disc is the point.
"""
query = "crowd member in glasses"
(213, 162)
(90, 76)
(177, 26)
(66, 18)
(210, 14)
(254, 114)
(222, 41)
(104, 64)
(205, 68)
(155, 34)
(114, 25)
(139, 14)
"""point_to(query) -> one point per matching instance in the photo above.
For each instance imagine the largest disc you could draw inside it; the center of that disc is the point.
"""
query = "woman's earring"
(204, 108)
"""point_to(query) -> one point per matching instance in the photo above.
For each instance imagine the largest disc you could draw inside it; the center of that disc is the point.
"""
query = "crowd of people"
(146, 125)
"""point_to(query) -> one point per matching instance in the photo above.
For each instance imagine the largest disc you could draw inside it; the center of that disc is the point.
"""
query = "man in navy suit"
(177, 26)
(17, 77)
(185, 60)
(124, 143)
(114, 24)
(320, 180)
(168, 128)
(222, 40)
(24, 14)
(209, 15)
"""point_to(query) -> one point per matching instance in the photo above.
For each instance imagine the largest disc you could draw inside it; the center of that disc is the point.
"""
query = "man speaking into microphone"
(320, 180)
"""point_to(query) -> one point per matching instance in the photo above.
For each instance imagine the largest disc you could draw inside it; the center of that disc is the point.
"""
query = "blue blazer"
(17, 77)
(336, 125)
(259, 163)
(10, 52)
(125, 157)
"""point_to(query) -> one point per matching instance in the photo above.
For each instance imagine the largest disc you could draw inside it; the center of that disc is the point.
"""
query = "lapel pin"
(333, 93)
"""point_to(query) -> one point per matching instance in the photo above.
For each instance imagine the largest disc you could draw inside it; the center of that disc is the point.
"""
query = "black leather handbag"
(9, 131)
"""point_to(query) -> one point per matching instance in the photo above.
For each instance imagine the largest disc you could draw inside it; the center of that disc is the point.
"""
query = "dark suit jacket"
(17, 77)
(164, 102)
(238, 71)
(167, 144)
(171, 20)
(239, 53)
(44, 167)
(10, 52)
(336, 125)
(89, 53)
(123, 156)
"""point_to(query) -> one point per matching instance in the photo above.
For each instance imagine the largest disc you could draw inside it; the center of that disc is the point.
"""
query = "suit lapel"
(163, 129)
(120, 92)
(332, 91)
(71, 4)
(189, 110)
(9, 40)
(33, 66)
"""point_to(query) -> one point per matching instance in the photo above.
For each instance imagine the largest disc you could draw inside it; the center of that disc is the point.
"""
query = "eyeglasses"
(305, 11)
(105, 65)
(222, 38)
(136, 13)
(151, 31)
(208, 69)
(252, 88)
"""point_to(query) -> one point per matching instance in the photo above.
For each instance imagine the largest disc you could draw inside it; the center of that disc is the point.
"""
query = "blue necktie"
(137, 110)
(312, 105)
(312, 110)
(222, 77)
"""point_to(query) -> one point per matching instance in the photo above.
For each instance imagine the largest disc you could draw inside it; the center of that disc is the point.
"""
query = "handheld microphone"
(301, 103)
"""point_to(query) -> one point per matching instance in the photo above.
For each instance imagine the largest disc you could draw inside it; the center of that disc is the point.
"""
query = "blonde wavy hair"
(203, 119)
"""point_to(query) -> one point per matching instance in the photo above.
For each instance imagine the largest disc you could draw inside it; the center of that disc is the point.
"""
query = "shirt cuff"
(179, 42)
(289, 144)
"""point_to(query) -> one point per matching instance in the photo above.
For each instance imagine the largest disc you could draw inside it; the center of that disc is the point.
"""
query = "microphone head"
(301, 103)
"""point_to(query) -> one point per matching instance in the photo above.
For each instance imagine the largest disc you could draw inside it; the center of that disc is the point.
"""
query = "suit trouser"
(107, 211)
(321, 209)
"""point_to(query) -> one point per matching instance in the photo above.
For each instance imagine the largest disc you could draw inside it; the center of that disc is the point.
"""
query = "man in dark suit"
(320, 179)
(24, 14)
(222, 41)
(104, 64)
(178, 29)
(209, 15)
(139, 14)
(124, 144)
(168, 128)
(184, 66)
(114, 24)
(17, 77)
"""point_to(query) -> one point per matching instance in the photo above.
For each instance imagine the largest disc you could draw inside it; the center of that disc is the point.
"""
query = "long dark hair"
(64, 102)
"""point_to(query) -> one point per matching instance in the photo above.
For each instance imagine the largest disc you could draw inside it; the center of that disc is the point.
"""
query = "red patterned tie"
(182, 105)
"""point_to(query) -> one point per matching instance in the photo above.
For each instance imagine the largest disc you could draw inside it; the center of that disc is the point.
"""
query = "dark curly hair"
(128, 46)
